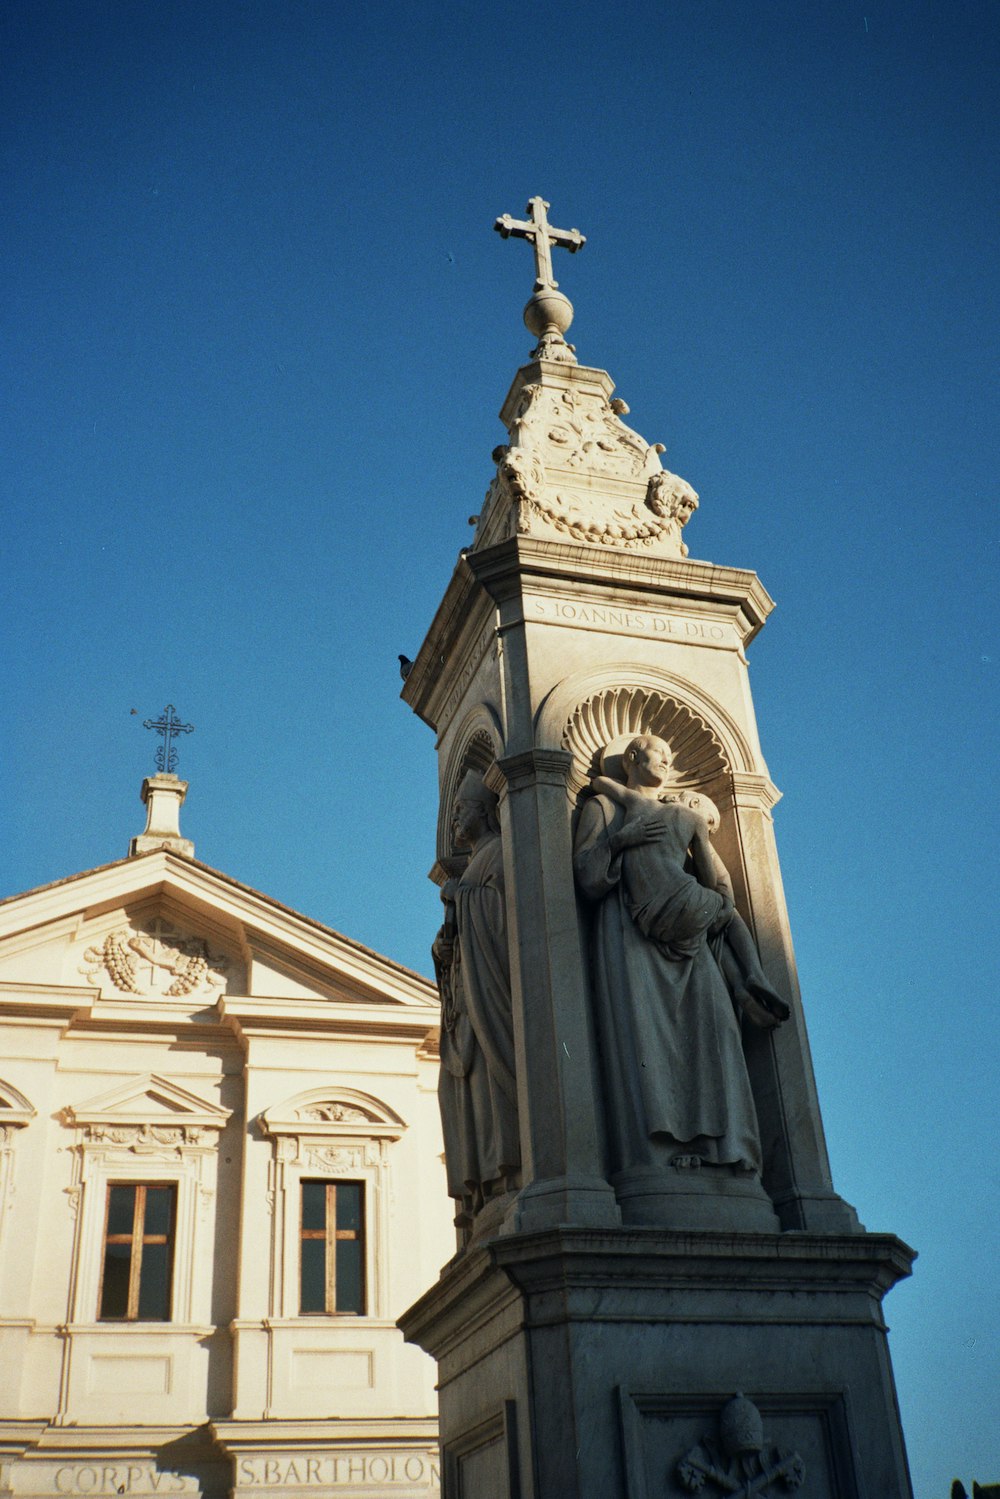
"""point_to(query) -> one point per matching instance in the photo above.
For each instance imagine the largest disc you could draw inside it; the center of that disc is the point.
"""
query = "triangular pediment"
(148, 1099)
(162, 928)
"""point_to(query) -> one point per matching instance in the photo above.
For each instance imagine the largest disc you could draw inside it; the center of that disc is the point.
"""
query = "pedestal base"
(581, 1364)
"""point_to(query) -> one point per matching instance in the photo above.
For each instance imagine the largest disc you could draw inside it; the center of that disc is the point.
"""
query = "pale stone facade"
(164, 1027)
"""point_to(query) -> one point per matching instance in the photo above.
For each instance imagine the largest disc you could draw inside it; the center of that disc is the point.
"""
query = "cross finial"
(168, 726)
(548, 313)
(541, 235)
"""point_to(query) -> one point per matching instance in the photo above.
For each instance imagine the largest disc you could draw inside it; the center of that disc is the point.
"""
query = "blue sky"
(259, 328)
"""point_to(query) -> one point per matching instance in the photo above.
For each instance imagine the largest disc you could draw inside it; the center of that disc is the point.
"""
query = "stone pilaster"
(557, 1075)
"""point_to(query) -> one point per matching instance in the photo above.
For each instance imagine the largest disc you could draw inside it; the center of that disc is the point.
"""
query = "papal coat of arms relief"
(156, 959)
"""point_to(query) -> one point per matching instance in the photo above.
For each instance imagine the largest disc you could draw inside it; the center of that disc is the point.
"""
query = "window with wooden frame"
(332, 1248)
(138, 1252)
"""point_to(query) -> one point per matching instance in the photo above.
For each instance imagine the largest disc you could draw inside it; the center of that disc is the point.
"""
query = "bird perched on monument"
(405, 666)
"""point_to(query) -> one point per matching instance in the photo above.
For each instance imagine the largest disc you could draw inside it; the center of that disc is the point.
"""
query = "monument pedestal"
(582, 1364)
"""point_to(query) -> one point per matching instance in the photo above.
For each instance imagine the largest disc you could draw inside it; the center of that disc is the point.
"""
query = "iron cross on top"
(542, 236)
(168, 726)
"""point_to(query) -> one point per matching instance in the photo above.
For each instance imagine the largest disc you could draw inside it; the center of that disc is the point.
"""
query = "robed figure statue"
(476, 1090)
(673, 966)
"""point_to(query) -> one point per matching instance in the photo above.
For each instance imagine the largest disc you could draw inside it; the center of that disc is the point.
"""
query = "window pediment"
(148, 1105)
(15, 1110)
(332, 1113)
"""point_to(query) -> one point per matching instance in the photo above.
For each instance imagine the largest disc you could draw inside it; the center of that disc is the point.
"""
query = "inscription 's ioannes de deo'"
(620, 620)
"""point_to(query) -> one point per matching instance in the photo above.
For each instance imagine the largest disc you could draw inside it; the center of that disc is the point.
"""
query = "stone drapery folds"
(477, 1090)
(671, 963)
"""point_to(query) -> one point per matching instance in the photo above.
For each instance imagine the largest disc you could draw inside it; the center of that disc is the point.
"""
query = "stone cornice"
(659, 1274)
(296, 1433)
(504, 570)
(264, 1015)
(678, 1259)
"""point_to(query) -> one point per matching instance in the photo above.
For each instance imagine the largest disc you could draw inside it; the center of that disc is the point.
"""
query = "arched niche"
(587, 711)
(478, 744)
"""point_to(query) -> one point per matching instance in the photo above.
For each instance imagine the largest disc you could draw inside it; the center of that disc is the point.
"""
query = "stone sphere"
(548, 311)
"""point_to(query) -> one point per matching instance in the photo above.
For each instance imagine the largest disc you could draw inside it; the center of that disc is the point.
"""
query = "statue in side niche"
(477, 1091)
(674, 965)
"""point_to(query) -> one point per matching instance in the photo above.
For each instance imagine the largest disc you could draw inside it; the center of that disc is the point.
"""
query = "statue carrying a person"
(673, 965)
(476, 1090)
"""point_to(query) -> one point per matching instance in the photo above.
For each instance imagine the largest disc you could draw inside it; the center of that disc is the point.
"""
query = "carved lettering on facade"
(121, 1478)
(345, 1469)
(623, 621)
(467, 673)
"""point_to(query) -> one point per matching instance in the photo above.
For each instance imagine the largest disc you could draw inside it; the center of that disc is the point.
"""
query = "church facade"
(221, 1181)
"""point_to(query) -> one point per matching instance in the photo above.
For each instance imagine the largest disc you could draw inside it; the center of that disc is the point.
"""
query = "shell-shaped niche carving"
(699, 756)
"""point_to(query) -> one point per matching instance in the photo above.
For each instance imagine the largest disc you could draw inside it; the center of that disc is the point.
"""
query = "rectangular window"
(138, 1253)
(332, 1244)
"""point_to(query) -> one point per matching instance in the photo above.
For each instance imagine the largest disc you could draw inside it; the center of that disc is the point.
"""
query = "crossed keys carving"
(788, 1469)
(739, 1462)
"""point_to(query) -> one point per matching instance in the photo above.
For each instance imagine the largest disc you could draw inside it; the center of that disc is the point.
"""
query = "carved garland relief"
(156, 960)
(580, 436)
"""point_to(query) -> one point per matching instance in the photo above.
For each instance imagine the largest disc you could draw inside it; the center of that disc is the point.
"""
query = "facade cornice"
(264, 1015)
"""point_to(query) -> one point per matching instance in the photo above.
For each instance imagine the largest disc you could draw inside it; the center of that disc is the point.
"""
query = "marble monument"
(657, 1289)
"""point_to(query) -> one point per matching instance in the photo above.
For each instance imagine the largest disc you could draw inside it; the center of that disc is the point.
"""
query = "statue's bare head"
(646, 760)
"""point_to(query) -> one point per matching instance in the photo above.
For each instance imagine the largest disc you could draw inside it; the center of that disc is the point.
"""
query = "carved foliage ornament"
(146, 1138)
(337, 1113)
(156, 960)
(736, 1460)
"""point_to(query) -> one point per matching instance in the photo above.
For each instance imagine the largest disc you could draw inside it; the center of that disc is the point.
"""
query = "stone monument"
(657, 1290)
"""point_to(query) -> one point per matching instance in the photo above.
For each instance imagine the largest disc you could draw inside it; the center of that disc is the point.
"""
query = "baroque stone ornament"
(737, 1460)
(575, 471)
(156, 960)
(337, 1113)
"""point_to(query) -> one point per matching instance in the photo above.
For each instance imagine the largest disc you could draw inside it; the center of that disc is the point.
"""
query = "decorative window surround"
(327, 1132)
(145, 1129)
(15, 1113)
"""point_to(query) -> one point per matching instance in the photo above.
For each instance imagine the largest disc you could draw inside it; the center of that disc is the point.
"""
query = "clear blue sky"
(259, 328)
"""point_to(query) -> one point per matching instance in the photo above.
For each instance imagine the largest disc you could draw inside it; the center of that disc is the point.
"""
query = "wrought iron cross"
(168, 727)
(542, 237)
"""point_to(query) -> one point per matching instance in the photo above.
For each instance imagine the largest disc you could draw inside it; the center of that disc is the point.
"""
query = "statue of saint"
(673, 963)
(476, 1091)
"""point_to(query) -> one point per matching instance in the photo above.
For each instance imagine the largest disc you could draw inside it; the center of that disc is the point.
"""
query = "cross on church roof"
(542, 237)
(168, 725)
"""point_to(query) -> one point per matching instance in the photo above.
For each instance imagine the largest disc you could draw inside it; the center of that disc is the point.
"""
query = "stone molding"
(520, 772)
